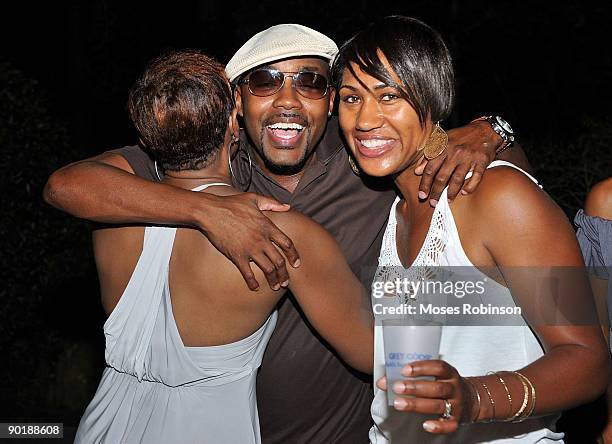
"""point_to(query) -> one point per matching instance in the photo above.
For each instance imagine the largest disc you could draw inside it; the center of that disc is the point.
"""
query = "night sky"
(542, 64)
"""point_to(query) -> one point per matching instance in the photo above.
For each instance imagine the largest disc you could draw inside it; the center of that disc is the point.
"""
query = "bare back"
(210, 301)
(212, 304)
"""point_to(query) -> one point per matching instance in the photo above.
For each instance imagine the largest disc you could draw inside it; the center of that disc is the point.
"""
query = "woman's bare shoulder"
(296, 224)
(518, 222)
(310, 239)
(508, 190)
(599, 200)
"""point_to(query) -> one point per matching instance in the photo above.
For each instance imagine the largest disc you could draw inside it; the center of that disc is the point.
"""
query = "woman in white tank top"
(493, 383)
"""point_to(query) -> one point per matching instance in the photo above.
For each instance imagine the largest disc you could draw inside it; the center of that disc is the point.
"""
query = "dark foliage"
(47, 269)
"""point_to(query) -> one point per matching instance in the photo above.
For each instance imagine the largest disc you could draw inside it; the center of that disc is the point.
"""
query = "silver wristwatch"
(503, 128)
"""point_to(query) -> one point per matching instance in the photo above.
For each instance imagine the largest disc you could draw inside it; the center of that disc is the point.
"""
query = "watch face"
(505, 125)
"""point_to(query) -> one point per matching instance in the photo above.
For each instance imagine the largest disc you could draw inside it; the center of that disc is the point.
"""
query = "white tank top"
(472, 350)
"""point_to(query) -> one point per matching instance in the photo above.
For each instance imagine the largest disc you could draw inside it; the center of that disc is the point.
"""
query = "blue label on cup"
(392, 357)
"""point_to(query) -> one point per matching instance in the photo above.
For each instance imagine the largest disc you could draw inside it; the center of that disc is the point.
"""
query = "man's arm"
(104, 189)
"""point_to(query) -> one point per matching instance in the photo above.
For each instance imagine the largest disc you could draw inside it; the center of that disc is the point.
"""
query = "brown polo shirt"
(305, 393)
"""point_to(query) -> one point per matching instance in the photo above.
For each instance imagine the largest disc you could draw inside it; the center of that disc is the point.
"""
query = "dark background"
(65, 70)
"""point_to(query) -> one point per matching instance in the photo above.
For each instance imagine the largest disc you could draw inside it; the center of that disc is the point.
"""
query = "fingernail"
(400, 403)
(464, 192)
(422, 195)
(399, 387)
(407, 370)
(297, 263)
(429, 426)
(285, 284)
(275, 287)
(433, 202)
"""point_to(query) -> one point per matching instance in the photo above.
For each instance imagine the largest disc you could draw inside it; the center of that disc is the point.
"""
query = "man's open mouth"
(285, 131)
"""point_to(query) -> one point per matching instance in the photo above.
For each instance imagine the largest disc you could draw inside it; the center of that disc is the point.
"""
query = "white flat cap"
(280, 42)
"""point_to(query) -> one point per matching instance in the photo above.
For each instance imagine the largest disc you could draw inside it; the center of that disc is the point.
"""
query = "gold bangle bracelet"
(533, 398)
(521, 410)
(477, 398)
(506, 389)
(490, 399)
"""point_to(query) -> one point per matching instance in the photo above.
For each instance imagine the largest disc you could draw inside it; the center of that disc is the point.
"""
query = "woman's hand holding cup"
(449, 395)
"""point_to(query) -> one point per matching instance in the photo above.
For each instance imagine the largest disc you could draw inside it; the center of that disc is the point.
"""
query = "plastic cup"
(403, 344)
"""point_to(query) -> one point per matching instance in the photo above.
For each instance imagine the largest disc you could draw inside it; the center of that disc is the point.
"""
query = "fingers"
(243, 234)
(420, 167)
(429, 396)
(474, 181)
(429, 172)
(244, 267)
(269, 204)
(287, 247)
(433, 367)
(424, 389)
(457, 180)
(440, 181)
(441, 425)
(269, 270)
(278, 261)
(429, 407)
(420, 405)
(272, 263)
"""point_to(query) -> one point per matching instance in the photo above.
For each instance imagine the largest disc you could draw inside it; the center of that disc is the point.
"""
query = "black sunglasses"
(267, 81)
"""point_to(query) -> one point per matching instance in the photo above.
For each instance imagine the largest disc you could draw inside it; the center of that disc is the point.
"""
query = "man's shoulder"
(142, 164)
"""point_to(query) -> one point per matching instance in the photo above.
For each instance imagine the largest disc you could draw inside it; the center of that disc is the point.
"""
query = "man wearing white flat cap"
(291, 151)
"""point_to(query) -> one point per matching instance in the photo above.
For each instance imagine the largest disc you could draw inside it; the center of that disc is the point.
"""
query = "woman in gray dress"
(594, 234)
(185, 336)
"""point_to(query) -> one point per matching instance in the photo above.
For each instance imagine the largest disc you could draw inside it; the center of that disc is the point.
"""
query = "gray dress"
(595, 238)
(154, 388)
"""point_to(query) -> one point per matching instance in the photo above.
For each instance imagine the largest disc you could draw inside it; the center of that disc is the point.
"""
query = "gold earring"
(353, 165)
(436, 144)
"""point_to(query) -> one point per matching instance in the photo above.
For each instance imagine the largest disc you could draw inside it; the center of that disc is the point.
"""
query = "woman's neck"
(407, 182)
(189, 179)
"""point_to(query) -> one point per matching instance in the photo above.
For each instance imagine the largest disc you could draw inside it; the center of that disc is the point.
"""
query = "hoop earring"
(354, 166)
(241, 186)
(436, 144)
(157, 171)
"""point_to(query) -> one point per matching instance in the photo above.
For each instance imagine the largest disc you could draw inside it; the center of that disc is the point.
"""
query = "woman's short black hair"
(181, 106)
(416, 53)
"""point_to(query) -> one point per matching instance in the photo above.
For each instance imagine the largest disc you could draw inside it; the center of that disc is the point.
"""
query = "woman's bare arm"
(532, 242)
(335, 302)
